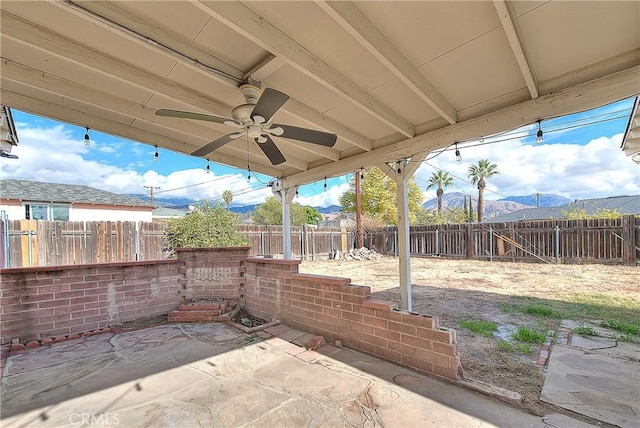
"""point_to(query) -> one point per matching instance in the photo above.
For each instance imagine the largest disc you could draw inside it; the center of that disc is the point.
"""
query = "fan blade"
(308, 135)
(215, 144)
(269, 103)
(196, 116)
(271, 151)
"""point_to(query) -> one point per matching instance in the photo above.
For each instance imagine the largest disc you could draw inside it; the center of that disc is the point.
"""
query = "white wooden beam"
(514, 41)
(82, 119)
(264, 68)
(349, 17)
(54, 44)
(404, 254)
(581, 97)
(247, 23)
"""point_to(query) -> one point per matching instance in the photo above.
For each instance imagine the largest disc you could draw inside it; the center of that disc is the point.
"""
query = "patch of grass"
(524, 348)
(505, 346)
(623, 327)
(529, 335)
(540, 311)
(485, 328)
(510, 348)
(585, 331)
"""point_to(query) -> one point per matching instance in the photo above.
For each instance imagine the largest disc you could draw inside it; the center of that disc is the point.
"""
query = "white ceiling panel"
(390, 78)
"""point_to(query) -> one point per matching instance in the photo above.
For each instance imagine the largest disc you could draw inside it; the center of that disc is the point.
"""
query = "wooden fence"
(28, 243)
(611, 241)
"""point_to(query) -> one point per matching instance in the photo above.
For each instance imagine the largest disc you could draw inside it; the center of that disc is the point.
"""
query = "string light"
(539, 138)
(458, 155)
(248, 174)
(156, 155)
(325, 184)
(362, 173)
(87, 140)
(208, 166)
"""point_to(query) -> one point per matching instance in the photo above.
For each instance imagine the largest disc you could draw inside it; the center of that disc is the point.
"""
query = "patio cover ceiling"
(392, 79)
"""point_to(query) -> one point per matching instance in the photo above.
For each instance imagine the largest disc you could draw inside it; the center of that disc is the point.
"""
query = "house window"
(46, 212)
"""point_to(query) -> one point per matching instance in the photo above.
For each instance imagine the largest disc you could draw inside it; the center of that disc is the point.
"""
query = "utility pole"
(151, 189)
(359, 238)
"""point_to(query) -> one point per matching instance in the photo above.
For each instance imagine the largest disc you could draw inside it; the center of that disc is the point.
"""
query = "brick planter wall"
(212, 272)
(334, 308)
(44, 302)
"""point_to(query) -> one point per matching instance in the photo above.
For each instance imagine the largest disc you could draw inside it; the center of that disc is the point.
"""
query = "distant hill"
(545, 200)
(491, 208)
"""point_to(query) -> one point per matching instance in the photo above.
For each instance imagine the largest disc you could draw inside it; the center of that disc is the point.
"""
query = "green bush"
(208, 225)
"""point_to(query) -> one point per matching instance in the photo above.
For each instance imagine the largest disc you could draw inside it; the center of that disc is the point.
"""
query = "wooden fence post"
(629, 240)
(468, 241)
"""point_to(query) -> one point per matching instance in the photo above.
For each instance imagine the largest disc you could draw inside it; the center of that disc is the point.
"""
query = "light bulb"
(539, 138)
(156, 156)
(458, 155)
(87, 140)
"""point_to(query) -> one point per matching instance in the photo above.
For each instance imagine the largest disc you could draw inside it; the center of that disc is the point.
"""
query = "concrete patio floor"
(187, 375)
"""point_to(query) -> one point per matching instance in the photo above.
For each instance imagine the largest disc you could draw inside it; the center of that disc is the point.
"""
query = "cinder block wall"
(43, 302)
(334, 308)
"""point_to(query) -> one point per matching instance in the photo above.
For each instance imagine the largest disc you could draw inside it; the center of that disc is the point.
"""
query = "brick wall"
(44, 302)
(212, 272)
(338, 310)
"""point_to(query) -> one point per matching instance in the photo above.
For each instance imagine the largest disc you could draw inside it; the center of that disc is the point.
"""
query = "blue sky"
(580, 158)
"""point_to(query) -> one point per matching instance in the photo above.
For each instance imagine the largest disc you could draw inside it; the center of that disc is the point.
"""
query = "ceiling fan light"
(261, 139)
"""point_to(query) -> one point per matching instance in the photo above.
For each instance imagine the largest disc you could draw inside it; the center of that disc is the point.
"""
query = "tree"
(477, 174)
(440, 179)
(208, 225)
(451, 215)
(578, 213)
(378, 197)
(270, 213)
(227, 196)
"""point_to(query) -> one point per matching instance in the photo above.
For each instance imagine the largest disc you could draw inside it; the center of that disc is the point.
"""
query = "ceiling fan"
(253, 120)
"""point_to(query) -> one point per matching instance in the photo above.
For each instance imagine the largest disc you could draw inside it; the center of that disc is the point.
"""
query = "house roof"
(621, 204)
(166, 212)
(394, 80)
(37, 191)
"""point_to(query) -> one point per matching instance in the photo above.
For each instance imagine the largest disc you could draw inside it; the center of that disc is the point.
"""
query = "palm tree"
(227, 197)
(440, 179)
(477, 174)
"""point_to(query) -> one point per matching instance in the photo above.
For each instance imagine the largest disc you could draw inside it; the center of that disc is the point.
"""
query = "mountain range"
(455, 199)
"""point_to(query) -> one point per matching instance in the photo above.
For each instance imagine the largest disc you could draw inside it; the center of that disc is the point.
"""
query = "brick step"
(204, 311)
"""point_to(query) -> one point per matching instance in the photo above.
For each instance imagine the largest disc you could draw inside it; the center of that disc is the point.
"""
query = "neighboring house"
(338, 220)
(621, 204)
(34, 200)
(8, 134)
(166, 213)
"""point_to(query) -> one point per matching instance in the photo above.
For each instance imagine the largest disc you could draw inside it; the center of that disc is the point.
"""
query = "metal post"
(490, 244)
(557, 244)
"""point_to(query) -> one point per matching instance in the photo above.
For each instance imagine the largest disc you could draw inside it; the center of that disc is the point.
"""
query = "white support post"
(403, 234)
(285, 196)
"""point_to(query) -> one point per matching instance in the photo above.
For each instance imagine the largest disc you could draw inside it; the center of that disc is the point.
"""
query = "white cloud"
(596, 169)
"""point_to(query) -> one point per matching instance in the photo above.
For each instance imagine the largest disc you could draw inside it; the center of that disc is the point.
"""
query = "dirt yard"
(457, 290)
